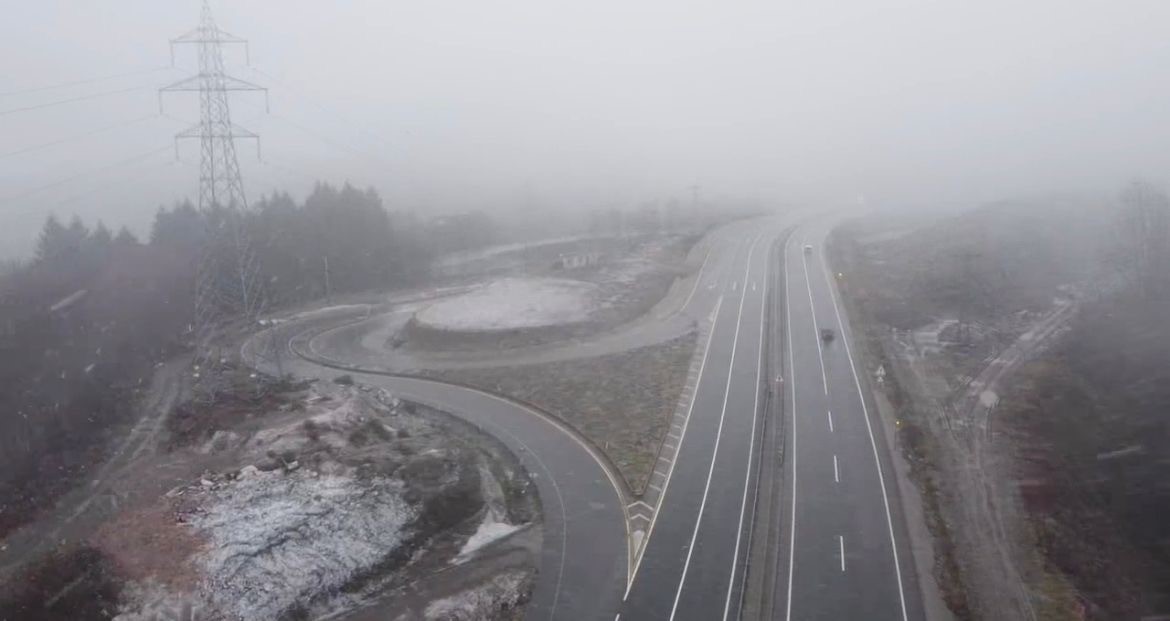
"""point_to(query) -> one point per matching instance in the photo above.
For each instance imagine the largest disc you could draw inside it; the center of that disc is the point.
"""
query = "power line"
(367, 153)
(316, 103)
(48, 186)
(94, 189)
(89, 193)
(59, 102)
(277, 184)
(49, 87)
(329, 141)
(94, 132)
(293, 172)
(370, 140)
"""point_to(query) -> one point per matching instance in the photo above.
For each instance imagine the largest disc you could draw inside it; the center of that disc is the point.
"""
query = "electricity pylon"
(227, 284)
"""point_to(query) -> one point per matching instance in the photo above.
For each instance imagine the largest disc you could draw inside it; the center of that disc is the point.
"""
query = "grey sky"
(451, 105)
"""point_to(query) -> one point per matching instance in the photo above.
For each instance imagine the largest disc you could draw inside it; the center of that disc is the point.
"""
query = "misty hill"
(994, 260)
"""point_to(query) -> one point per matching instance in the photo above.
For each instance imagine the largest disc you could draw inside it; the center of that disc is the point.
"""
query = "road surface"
(710, 495)
(846, 551)
(584, 558)
(692, 564)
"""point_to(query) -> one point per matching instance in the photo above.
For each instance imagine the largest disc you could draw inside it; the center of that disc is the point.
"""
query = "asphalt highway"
(585, 562)
(847, 552)
(844, 552)
(692, 564)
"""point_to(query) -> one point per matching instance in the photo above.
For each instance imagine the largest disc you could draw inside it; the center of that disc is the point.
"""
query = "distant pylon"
(227, 284)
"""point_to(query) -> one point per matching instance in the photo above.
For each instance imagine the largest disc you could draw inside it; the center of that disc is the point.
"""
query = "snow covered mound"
(279, 539)
(335, 502)
(511, 303)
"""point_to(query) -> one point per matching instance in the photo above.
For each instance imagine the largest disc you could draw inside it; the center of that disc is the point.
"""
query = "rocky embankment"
(344, 502)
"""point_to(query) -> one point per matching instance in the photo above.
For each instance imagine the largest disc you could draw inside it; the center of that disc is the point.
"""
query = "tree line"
(83, 322)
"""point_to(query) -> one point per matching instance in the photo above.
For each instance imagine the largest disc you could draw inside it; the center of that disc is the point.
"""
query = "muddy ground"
(296, 501)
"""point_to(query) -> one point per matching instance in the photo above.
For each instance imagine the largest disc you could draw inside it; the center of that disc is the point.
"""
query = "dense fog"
(447, 106)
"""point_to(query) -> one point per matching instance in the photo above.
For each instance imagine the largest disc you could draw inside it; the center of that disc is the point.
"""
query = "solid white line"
(836, 471)
(816, 331)
(670, 473)
(698, 279)
(718, 434)
(872, 442)
(560, 500)
(792, 390)
(556, 424)
(841, 540)
(830, 413)
(752, 444)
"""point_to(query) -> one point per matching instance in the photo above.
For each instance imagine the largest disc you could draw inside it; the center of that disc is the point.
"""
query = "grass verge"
(621, 402)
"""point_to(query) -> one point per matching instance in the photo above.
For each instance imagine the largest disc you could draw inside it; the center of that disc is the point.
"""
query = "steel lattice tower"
(227, 284)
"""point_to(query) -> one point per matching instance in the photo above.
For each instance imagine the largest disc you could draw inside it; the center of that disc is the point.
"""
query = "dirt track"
(99, 496)
(982, 504)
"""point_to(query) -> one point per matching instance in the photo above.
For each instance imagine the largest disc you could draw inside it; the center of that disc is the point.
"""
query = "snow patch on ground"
(320, 501)
(150, 601)
(331, 427)
(490, 530)
(988, 398)
(471, 256)
(277, 539)
(511, 303)
(502, 592)
(316, 312)
(627, 270)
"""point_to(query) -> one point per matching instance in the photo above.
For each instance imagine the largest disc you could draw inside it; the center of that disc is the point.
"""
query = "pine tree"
(101, 236)
(52, 241)
(125, 238)
(76, 236)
